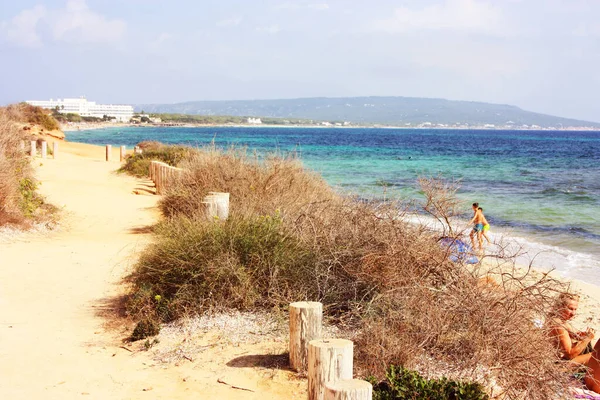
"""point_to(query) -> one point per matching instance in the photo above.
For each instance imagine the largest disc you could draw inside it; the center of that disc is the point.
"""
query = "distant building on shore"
(81, 106)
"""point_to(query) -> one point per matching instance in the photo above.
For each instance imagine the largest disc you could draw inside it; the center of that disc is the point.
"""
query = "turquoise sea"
(540, 188)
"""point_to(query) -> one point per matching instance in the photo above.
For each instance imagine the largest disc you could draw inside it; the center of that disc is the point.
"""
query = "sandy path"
(53, 343)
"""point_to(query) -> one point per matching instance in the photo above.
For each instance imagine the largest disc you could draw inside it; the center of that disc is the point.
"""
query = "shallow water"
(540, 187)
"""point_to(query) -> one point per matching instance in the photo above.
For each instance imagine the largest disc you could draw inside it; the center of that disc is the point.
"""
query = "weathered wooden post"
(122, 154)
(157, 178)
(108, 152)
(306, 318)
(32, 149)
(329, 360)
(44, 149)
(354, 389)
(160, 188)
(221, 204)
(54, 150)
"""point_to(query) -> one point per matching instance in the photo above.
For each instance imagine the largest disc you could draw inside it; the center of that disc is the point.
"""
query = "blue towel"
(460, 251)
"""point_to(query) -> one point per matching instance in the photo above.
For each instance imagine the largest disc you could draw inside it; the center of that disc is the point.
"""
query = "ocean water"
(540, 188)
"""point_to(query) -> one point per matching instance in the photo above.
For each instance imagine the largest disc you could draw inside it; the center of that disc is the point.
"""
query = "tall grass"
(290, 237)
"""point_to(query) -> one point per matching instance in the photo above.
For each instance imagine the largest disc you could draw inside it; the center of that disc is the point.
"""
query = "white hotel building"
(81, 106)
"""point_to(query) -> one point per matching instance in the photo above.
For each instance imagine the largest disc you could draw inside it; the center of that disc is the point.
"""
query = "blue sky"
(542, 55)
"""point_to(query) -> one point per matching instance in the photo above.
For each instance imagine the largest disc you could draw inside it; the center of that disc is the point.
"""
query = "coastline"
(85, 126)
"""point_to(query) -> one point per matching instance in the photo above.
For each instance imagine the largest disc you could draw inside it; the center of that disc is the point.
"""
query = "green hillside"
(402, 111)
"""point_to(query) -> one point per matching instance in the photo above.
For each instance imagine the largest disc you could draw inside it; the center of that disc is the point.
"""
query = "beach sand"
(56, 287)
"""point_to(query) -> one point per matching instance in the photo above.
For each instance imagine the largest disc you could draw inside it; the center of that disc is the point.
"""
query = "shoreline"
(95, 126)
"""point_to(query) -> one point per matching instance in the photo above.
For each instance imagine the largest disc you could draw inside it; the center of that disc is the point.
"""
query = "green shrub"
(242, 263)
(139, 164)
(30, 199)
(404, 384)
(144, 329)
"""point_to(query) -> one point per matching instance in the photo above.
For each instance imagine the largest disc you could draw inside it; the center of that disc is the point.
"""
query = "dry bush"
(290, 238)
(20, 203)
(14, 170)
(255, 187)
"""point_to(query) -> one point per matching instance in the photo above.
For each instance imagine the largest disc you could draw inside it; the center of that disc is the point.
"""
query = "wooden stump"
(217, 205)
(32, 148)
(305, 325)
(354, 389)
(108, 152)
(122, 154)
(329, 361)
(54, 150)
(44, 149)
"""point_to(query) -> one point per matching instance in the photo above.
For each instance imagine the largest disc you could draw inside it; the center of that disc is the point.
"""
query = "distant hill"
(374, 110)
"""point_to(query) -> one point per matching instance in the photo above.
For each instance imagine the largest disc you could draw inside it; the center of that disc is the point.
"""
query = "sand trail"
(53, 341)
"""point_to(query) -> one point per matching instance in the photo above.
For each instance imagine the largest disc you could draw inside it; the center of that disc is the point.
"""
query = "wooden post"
(151, 171)
(221, 204)
(108, 152)
(22, 146)
(32, 149)
(329, 360)
(160, 187)
(305, 325)
(54, 150)
(44, 149)
(123, 152)
(354, 389)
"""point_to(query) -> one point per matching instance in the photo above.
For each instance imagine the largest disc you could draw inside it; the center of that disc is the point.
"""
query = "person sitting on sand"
(478, 220)
(572, 345)
(486, 226)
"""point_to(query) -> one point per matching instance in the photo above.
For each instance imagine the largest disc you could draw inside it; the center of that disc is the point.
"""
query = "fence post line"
(122, 154)
(354, 389)
(32, 148)
(108, 152)
(44, 149)
(329, 360)
(54, 149)
(305, 325)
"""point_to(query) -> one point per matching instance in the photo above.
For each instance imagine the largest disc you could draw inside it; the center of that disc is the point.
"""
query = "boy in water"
(478, 221)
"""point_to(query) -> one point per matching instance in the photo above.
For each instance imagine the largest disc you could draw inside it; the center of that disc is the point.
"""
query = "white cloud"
(271, 30)
(22, 28)
(458, 15)
(296, 6)
(78, 24)
(234, 21)
(320, 6)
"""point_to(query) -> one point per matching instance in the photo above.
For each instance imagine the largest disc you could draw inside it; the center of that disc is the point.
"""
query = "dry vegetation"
(19, 202)
(290, 238)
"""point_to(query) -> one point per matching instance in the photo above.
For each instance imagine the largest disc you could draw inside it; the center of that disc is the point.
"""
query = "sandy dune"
(54, 344)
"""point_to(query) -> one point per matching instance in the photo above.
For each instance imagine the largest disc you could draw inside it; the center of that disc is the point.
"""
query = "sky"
(540, 55)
